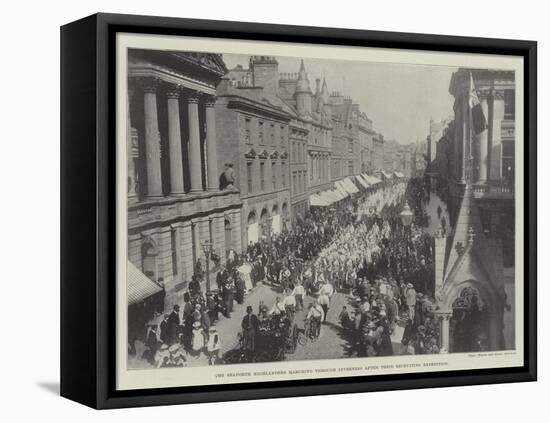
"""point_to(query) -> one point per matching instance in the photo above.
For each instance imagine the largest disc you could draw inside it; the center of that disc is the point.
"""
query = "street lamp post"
(207, 248)
(407, 218)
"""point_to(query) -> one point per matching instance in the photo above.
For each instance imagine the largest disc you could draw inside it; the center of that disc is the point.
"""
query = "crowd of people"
(359, 247)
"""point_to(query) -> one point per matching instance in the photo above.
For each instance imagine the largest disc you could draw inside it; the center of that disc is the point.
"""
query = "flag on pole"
(479, 121)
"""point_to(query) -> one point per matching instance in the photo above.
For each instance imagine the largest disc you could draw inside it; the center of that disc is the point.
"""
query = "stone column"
(195, 163)
(444, 318)
(483, 139)
(174, 140)
(129, 152)
(211, 145)
(152, 142)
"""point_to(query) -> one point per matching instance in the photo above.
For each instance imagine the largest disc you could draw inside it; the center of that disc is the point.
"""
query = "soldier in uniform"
(249, 326)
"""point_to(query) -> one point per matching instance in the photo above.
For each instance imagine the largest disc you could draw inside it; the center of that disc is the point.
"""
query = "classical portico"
(174, 198)
(202, 162)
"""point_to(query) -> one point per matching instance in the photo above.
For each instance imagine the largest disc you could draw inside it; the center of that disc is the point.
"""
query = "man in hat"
(410, 300)
(212, 306)
(173, 324)
(278, 308)
(239, 289)
(152, 344)
(299, 293)
(194, 286)
(164, 335)
(290, 303)
(221, 277)
(315, 315)
(249, 326)
(228, 294)
(345, 319)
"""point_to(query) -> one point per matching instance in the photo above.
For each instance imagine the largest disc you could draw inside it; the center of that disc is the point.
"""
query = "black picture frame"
(88, 209)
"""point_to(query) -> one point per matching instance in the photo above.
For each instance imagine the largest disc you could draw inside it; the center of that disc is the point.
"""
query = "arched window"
(252, 228)
(149, 253)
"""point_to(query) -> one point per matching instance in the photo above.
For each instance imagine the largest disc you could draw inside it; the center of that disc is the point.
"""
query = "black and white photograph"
(284, 208)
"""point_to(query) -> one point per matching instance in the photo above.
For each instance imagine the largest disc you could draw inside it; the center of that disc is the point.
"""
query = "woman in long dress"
(197, 340)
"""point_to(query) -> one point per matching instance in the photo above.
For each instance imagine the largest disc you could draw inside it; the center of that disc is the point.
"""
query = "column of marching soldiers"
(359, 248)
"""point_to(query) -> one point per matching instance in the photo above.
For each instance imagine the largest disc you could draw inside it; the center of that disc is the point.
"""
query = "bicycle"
(309, 334)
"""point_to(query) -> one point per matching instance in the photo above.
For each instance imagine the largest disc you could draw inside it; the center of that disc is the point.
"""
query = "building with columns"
(475, 259)
(485, 160)
(174, 201)
(253, 125)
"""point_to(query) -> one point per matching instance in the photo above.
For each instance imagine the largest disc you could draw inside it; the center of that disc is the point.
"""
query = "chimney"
(265, 73)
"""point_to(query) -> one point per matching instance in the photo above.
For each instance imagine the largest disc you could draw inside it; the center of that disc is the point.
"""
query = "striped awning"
(350, 186)
(139, 286)
(318, 200)
(341, 188)
(362, 181)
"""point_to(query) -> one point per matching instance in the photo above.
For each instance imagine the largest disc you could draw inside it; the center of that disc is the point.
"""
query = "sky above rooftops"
(400, 99)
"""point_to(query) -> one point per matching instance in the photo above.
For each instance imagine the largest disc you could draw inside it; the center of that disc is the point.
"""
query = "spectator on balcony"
(227, 178)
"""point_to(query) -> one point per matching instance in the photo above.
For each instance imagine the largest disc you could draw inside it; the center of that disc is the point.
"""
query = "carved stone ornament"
(250, 154)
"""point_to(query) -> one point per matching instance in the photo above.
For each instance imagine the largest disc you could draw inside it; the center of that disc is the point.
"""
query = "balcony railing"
(493, 189)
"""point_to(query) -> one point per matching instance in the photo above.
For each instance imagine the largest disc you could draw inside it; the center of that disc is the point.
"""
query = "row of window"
(321, 136)
(263, 133)
(298, 151)
(299, 181)
(339, 169)
(278, 176)
(318, 168)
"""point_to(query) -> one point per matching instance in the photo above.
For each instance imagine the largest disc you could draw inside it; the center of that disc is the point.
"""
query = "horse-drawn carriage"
(275, 337)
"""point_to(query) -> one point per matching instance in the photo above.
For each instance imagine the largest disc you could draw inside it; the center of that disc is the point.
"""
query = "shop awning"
(372, 180)
(335, 195)
(387, 175)
(375, 180)
(317, 200)
(139, 286)
(398, 175)
(350, 186)
(340, 187)
(362, 181)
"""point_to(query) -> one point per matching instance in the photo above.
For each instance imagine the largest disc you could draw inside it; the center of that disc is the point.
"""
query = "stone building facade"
(378, 152)
(174, 201)
(276, 126)
(476, 174)
(346, 155)
(366, 136)
(253, 126)
(485, 160)
(311, 135)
